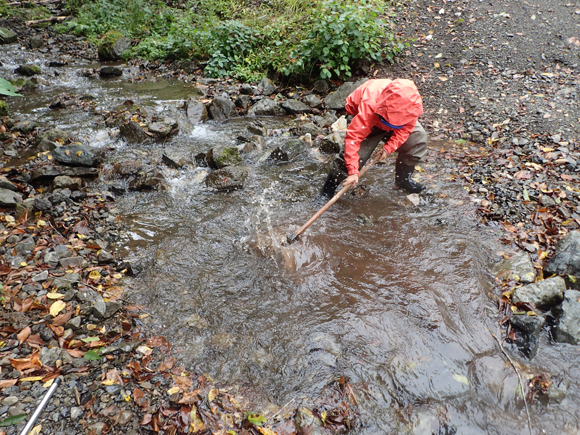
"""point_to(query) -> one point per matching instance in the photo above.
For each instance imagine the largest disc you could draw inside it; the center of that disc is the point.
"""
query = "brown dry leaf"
(26, 363)
(5, 383)
(189, 398)
(62, 318)
(75, 353)
(183, 382)
(167, 364)
(265, 431)
(23, 335)
(114, 293)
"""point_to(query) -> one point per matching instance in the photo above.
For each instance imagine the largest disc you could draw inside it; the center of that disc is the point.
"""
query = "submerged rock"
(148, 180)
(332, 143)
(228, 178)
(28, 70)
(528, 335)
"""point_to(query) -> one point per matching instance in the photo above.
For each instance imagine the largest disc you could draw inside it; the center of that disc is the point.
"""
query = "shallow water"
(401, 307)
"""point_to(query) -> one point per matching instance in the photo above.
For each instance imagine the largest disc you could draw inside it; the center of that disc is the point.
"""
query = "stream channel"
(400, 306)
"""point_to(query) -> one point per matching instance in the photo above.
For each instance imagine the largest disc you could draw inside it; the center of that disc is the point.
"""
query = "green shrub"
(341, 33)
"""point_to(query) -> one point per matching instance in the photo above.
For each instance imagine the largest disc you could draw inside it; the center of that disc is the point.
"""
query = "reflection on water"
(400, 306)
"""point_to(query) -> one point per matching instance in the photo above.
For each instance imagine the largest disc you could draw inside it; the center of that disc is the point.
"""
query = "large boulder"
(113, 45)
(294, 107)
(229, 178)
(7, 36)
(222, 156)
(75, 155)
(196, 111)
(567, 326)
(566, 260)
(337, 99)
(543, 294)
(266, 107)
(222, 108)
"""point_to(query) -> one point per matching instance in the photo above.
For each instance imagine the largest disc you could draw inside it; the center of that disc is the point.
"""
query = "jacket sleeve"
(398, 138)
(357, 131)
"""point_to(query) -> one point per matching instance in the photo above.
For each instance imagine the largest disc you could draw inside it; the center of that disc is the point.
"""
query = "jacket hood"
(400, 103)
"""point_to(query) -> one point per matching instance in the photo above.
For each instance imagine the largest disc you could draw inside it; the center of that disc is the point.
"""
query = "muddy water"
(400, 305)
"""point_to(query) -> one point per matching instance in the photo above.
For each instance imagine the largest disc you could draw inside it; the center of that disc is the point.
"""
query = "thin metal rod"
(40, 408)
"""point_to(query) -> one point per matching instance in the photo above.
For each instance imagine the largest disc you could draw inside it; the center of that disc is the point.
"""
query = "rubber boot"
(403, 174)
(332, 182)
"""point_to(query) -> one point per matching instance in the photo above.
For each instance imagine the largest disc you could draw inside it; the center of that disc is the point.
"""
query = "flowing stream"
(400, 305)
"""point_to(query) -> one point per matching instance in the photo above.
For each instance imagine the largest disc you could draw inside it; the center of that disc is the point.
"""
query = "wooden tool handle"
(332, 200)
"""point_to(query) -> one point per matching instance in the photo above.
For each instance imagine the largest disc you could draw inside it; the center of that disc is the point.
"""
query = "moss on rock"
(4, 108)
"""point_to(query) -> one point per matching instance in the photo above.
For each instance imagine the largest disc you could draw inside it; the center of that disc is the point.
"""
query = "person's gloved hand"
(351, 181)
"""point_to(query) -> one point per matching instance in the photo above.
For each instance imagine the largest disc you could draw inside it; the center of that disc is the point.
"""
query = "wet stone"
(222, 156)
(520, 266)
(294, 107)
(196, 111)
(6, 184)
(566, 260)
(337, 99)
(125, 418)
(222, 108)
(28, 70)
(567, 314)
(7, 36)
(66, 182)
(542, 294)
(110, 71)
(9, 198)
(104, 257)
(75, 155)
(266, 107)
(228, 178)
(133, 132)
(266, 86)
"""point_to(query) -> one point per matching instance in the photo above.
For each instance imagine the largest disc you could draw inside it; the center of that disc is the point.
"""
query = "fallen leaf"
(26, 363)
(23, 335)
(32, 379)
(5, 383)
(443, 79)
(173, 390)
(265, 431)
(54, 295)
(57, 307)
(212, 395)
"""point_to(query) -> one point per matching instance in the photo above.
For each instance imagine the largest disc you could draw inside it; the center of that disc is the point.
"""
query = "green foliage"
(341, 33)
(247, 39)
(7, 88)
(10, 421)
(25, 12)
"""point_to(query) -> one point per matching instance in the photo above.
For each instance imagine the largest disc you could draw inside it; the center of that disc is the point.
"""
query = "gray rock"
(75, 155)
(528, 335)
(112, 308)
(337, 99)
(567, 314)
(228, 178)
(51, 258)
(67, 263)
(174, 162)
(133, 132)
(196, 111)
(74, 323)
(150, 179)
(312, 129)
(93, 298)
(36, 41)
(266, 86)
(164, 128)
(63, 251)
(222, 156)
(313, 101)
(40, 277)
(49, 356)
(542, 294)
(128, 167)
(557, 391)
(520, 266)
(6, 184)
(10, 401)
(266, 107)
(566, 259)
(246, 89)
(7, 36)
(25, 246)
(125, 418)
(9, 198)
(66, 182)
(48, 172)
(243, 101)
(24, 126)
(96, 428)
(42, 204)
(75, 412)
(104, 257)
(294, 107)
(110, 71)
(222, 108)
(288, 151)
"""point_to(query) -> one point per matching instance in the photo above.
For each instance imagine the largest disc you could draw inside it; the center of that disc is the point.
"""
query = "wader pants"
(411, 153)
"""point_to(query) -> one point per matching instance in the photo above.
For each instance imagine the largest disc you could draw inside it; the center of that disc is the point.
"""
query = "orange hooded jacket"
(399, 104)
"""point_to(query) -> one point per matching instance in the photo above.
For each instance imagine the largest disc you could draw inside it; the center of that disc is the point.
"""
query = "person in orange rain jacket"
(383, 110)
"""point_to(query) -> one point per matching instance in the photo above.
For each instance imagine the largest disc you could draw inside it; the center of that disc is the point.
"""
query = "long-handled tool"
(292, 237)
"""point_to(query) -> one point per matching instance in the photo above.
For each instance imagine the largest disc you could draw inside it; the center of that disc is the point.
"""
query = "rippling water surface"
(400, 306)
